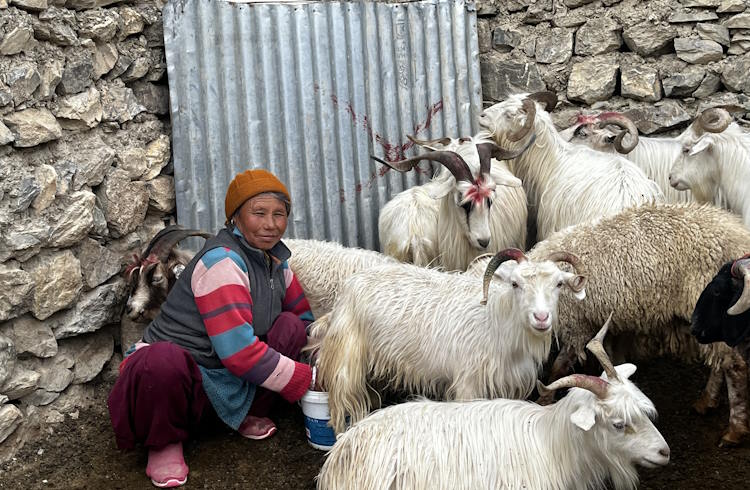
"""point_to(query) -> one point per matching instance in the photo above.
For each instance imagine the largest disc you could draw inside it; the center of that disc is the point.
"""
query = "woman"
(228, 334)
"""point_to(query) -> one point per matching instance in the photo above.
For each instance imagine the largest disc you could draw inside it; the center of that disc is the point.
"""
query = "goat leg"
(709, 398)
(562, 366)
(736, 376)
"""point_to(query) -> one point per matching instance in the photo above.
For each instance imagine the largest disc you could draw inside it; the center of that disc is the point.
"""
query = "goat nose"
(664, 452)
(541, 317)
(484, 242)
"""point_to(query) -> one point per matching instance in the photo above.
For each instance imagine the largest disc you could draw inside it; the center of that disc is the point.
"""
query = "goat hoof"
(703, 406)
(732, 438)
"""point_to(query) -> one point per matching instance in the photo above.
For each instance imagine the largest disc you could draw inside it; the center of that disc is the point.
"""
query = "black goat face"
(710, 322)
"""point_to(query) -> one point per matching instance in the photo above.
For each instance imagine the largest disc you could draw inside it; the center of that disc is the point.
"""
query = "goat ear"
(507, 179)
(575, 283)
(442, 189)
(584, 417)
(626, 370)
(505, 270)
(702, 144)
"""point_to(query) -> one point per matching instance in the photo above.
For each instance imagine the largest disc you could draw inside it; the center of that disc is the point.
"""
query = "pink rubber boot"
(166, 466)
(257, 427)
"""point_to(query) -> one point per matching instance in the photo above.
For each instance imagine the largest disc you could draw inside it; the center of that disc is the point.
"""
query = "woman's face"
(262, 221)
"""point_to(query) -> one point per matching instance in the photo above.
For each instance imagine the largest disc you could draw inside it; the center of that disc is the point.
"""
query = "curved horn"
(741, 271)
(549, 99)
(577, 266)
(622, 122)
(494, 263)
(529, 106)
(164, 241)
(594, 384)
(487, 151)
(597, 348)
(449, 159)
(714, 120)
(439, 141)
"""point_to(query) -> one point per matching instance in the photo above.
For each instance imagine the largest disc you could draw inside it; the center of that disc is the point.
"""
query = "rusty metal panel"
(309, 90)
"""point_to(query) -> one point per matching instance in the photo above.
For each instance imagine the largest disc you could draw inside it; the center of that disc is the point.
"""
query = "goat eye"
(619, 425)
(467, 207)
(559, 284)
(514, 284)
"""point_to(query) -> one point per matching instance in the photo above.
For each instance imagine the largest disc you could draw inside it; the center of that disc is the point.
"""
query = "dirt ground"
(82, 454)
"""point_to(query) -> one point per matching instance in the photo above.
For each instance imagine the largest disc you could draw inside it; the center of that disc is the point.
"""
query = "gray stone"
(576, 3)
(683, 83)
(89, 4)
(648, 38)
(32, 5)
(139, 68)
(74, 222)
(31, 336)
(130, 332)
(7, 359)
(598, 36)
(154, 98)
(57, 279)
(27, 191)
(51, 73)
(505, 39)
(158, 66)
(130, 22)
(6, 136)
(40, 397)
(569, 20)
(94, 309)
(700, 3)
(100, 263)
(501, 77)
(698, 51)
(23, 240)
(593, 79)
(124, 202)
(100, 24)
(155, 34)
(16, 39)
(708, 86)
(537, 14)
(16, 291)
(640, 83)
(731, 6)
(741, 35)
(55, 373)
(724, 99)
(713, 32)
(100, 223)
(77, 74)
(556, 46)
(22, 80)
(79, 111)
(486, 9)
(90, 158)
(739, 21)
(740, 47)
(3, 4)
(10, 418)
(5, 97)
(32, 127)
(21, 382)
(694, 16)
(484, 36)
(119, 104)
(90, 353)
(735, 74)
(105, 58)
(663, 115)
(161, 193)
(133, 161)
(121, 65)
(57, 26)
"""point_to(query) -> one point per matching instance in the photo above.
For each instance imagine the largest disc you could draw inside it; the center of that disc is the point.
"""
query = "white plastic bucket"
(315, 409)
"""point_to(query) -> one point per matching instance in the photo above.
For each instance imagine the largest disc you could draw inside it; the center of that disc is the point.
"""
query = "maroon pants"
(159, 399)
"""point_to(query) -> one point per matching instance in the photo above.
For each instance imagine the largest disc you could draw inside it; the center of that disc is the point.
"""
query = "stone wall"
(659, 61)
(84, 181)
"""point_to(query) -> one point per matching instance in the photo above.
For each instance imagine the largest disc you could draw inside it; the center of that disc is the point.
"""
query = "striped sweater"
(221, 289)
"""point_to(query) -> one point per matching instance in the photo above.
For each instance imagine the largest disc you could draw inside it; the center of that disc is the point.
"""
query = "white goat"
(321, 267)
(596, 434)
(716, 163)
(477, 206)
(568, 184)
(425, 331)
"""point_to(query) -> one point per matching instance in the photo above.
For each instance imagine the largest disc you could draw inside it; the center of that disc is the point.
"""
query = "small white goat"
(477, 206)
(716, 163)
(568, 184)
(596, 434)
(321, 267)
(152, 274)
(425, 331)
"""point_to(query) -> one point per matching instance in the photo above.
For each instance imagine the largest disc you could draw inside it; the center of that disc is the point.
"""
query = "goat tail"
(342, 369)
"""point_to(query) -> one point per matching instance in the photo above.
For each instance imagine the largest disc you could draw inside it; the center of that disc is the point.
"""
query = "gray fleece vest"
(180, 322)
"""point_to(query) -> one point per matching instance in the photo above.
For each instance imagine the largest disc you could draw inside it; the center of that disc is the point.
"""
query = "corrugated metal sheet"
(309, 91)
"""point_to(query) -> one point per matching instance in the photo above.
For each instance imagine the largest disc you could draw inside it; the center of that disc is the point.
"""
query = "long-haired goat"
(717, 162)
(722, 313)
(321, 267)
(596, 434)
(425, 331)
(478, 206)
(649, 264)
(152, 274)
(567, 184)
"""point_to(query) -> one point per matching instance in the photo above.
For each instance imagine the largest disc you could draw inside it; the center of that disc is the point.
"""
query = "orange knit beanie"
(248, 184)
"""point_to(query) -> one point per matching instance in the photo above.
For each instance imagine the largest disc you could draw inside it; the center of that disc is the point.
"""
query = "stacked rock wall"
(659, 61)
(84, 181)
